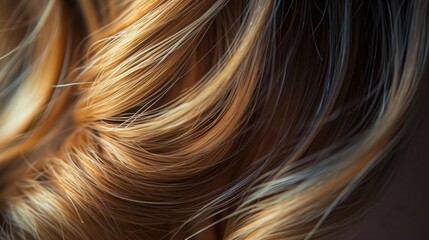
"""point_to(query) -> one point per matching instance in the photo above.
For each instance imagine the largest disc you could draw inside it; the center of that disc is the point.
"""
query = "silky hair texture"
(208, 119)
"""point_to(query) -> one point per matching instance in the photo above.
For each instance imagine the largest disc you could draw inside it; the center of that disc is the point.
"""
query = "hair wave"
(208, 119)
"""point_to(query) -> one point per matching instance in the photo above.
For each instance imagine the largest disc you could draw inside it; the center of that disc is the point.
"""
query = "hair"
(208, 119)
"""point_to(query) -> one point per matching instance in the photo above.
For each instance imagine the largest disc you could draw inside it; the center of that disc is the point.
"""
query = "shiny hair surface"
(206, 119)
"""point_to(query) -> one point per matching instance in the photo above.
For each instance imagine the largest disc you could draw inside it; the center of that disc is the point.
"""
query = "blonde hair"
(208, 119)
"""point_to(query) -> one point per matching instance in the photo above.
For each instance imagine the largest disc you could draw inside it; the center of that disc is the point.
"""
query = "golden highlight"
(208, 119)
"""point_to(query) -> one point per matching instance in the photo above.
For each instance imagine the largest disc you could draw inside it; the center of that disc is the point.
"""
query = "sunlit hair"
(205, 119)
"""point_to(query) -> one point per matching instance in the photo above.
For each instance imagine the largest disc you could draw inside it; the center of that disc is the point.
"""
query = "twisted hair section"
(210, 119)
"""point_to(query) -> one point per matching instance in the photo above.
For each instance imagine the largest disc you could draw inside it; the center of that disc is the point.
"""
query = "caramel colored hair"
(205, 119)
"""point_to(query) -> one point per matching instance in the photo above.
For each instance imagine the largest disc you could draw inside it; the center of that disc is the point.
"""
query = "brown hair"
(208, 119)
